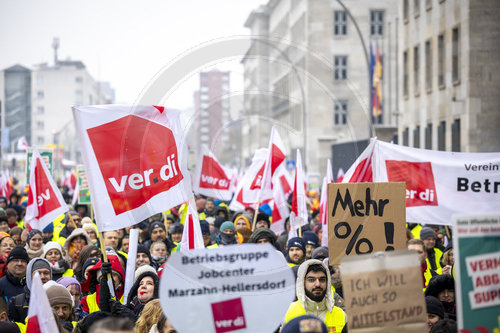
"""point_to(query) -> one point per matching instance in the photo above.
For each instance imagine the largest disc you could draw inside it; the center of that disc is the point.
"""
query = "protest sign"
(383, 293)
(476, 248)
(47, 157)
(83, 186)
(365, 218)
(134, 158)
(226, 289)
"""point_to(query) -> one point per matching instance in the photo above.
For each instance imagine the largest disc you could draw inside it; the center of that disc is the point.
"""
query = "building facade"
(450, 55)
(308, 73)
(212, 114)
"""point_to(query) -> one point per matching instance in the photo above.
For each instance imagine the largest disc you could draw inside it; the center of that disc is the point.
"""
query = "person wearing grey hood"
(18, 305)
(314, 297)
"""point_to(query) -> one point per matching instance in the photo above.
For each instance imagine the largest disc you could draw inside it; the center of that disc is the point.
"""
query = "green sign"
(47, 156)
(476, 248)
(83, 186)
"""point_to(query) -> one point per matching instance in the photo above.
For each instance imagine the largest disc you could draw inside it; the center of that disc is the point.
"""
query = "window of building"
(428, 65)
(416, 7)
(442, 136)
(40, 110)
(39, 79)
(405, 10)
(405, 73)
(405, 137)
(40, 140)
(416, 137)
(339, 23)
(340, 112)
(455, 54)
(377, 22)
(340, 67)
(78, 79)
(455, 136)
(416, 69)
(40, 94)
(428, 136)
(441, 60)
(39, 125)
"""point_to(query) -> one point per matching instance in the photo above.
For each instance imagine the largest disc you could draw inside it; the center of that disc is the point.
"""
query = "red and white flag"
(361, 171)
(5, 186)
(40, 316)
(249, 186)
(22, 144)
(133, 157)
(276, 155)
(192, 239)
(45, 201)
(340, 175)
(323, 211)
(211, 178)
(298, 215)
(280, 209)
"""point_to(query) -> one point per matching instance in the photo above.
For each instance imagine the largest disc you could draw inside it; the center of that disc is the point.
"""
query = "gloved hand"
(106, 269)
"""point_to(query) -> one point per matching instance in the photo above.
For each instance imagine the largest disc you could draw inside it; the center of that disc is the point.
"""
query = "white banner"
(439, 184)
(134, 157)
(227, 289)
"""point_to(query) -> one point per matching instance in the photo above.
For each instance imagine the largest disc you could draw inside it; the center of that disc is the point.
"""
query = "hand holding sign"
(365, 217)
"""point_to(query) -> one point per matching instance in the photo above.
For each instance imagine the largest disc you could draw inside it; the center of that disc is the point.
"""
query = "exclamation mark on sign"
(389, 235)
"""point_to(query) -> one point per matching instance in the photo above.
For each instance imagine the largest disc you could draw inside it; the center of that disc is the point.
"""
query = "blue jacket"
(11, 285)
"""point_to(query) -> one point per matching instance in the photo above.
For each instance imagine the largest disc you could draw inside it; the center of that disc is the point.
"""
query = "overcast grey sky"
(122, 41)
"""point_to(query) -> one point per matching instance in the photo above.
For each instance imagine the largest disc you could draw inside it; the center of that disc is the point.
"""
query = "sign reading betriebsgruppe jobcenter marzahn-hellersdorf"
(244, 288)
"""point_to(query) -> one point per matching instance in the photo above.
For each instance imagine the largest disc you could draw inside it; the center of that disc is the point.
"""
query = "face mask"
(227, 239)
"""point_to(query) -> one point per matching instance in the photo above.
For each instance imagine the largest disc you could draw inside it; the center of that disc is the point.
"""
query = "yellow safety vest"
(334, 321)
(92, 302)
(291, 264)
(69, 272)
(437, 257)
(416, 231)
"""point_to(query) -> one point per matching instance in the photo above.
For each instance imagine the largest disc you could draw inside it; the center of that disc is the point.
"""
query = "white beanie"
(143, 269)
(50, 246)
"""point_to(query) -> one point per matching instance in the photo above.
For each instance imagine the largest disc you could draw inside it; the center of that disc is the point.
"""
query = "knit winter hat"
(154, 225)
(67, 281)
(427, 232)
(227, 225)
(89, 262)
(38, 263)
(297, 242)
(205, 227)
(32, 233)
(310, 238)
(305, 323)
(320, 252)
(143, 249)
(142, 269)
(49, 228)
(263, 217)
(59, 295)
(19, 252)
(176, 228)
(51, 246)
(434, 306)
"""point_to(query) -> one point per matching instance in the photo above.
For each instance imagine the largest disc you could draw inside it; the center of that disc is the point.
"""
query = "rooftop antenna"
(55, 46)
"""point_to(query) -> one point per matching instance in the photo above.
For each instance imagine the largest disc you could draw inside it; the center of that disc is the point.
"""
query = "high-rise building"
(211, 103)
(15, 98)
(308, 72)
(449, 59)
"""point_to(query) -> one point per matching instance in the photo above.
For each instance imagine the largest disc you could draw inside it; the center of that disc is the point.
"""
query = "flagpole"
(256, 212)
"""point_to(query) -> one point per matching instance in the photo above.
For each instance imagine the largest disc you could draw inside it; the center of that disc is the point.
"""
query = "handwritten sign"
(47, 157)
(83, 186)
(365, 217)
(384, 293)
(476, 248)
(227, 289)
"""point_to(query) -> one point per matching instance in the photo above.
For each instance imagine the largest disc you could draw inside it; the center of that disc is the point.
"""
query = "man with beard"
(296, 251)
(314, 297)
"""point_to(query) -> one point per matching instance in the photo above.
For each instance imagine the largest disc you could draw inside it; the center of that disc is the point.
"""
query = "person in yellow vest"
(428, 236)
(296, 251)
(61, 303)
(417, 245)
(314, 297)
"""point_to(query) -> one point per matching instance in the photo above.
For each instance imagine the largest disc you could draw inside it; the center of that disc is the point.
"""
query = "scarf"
(32, 253)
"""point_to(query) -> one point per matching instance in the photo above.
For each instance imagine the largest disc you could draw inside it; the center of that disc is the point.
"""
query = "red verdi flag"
(40, 317)
(212, 178)
(45, 201)
(133, 157)
(192, 238)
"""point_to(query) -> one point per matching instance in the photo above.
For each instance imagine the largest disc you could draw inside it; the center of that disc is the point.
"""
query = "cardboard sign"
(83, 186)
(246, 288)
(383, 293)
(476, 247)
(365, 218)
(47, 157)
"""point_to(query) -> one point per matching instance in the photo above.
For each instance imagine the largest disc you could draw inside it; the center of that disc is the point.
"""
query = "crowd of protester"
(67, 256)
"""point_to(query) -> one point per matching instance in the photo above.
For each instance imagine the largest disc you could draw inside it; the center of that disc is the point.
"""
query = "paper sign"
(476, 247)
(245, 287)
(83, 186)
(383, 293)
(46, 154)
(365, 218)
